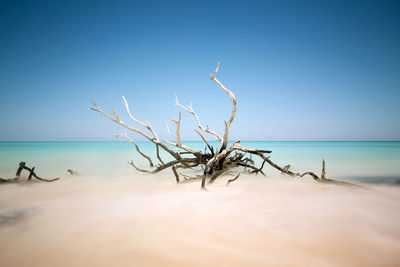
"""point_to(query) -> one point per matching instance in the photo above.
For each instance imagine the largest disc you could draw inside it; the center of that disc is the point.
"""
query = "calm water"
(369, 160)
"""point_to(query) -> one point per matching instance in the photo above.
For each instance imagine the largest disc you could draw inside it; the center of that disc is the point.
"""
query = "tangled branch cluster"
(215, 162)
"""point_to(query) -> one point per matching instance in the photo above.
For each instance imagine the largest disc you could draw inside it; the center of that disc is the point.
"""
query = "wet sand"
(144, 220)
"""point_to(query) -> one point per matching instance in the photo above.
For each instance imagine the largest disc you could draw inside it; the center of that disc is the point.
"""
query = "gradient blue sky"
(301, 70)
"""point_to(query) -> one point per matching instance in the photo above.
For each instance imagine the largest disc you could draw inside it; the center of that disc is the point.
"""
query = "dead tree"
(22, 166)
(214, 163)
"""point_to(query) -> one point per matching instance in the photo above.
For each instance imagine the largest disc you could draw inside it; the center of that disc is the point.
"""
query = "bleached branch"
(234, 107)
(169, 132)
(137, 148)
(219, 162)
(191, 111)
(146, 125)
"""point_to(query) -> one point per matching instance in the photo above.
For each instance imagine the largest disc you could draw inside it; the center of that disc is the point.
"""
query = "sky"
(301, 70)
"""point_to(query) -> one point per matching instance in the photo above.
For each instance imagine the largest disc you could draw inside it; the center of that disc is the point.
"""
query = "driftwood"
(322, 179)
(214, 163)
(73, 173)
(22, 166)
(232, 180)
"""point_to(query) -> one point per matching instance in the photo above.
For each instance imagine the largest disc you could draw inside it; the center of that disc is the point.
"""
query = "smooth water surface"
(344, 159)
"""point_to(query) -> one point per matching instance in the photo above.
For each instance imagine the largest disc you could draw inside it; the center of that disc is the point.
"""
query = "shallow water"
(344, 159)
(112, 215)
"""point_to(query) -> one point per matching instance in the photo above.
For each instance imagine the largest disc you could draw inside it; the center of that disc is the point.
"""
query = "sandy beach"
(146, 220)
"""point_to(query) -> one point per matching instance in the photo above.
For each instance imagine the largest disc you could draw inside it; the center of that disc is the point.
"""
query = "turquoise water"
(344, 159)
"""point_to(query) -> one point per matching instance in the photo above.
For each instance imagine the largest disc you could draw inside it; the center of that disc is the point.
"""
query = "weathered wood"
(137, 167)
(118, 120)
(176, 174)
(72, 172)
(22, 166)
(158, 154)
(178, 124)
(190, 179)
(3, 180)
(203, 181)
(311, 174)
(220, 172)
(234, 108)
(214, 164)
(287, 167)
(191, 111)
(205, 141)
(137, 148)
(232, 180)
(31, 173)
(254, 169)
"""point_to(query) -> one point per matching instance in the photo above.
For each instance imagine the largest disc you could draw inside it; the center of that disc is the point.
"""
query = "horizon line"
(16, 141)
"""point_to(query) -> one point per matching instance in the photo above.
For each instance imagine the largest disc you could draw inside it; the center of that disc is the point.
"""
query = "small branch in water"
(158, 154)
(74, 173)
(176, 174)
(312, 174)
(22, 166)
(137, 148)
(325, 180)
(32, 173)
(232, 180)
(323, 170)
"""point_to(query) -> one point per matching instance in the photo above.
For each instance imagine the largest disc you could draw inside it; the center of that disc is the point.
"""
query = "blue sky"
(301, 70)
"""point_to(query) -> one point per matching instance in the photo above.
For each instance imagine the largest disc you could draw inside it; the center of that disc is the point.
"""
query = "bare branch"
(169, 132)
(176, 174)
(203, 180)
(120, 122)
(184, 147)
(286, 168)
(137, 167)
(178, 124)
(216, 70)
(152, 130)
(232, 180)
(22, 166)
(221, 172)
(191, 111)
(125, 103)
(234, 108)
(4, 180)
(254, 169)
(154, 139)
(147, 126)
(33, 174)
(116, 115)
(137, 148)
(189, 179)
(72, 172)
(158, 154)
(218, 162)
(205, 140)
(312, 174)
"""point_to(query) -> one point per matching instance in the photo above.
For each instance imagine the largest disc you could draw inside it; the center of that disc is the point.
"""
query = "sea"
(377, 162)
